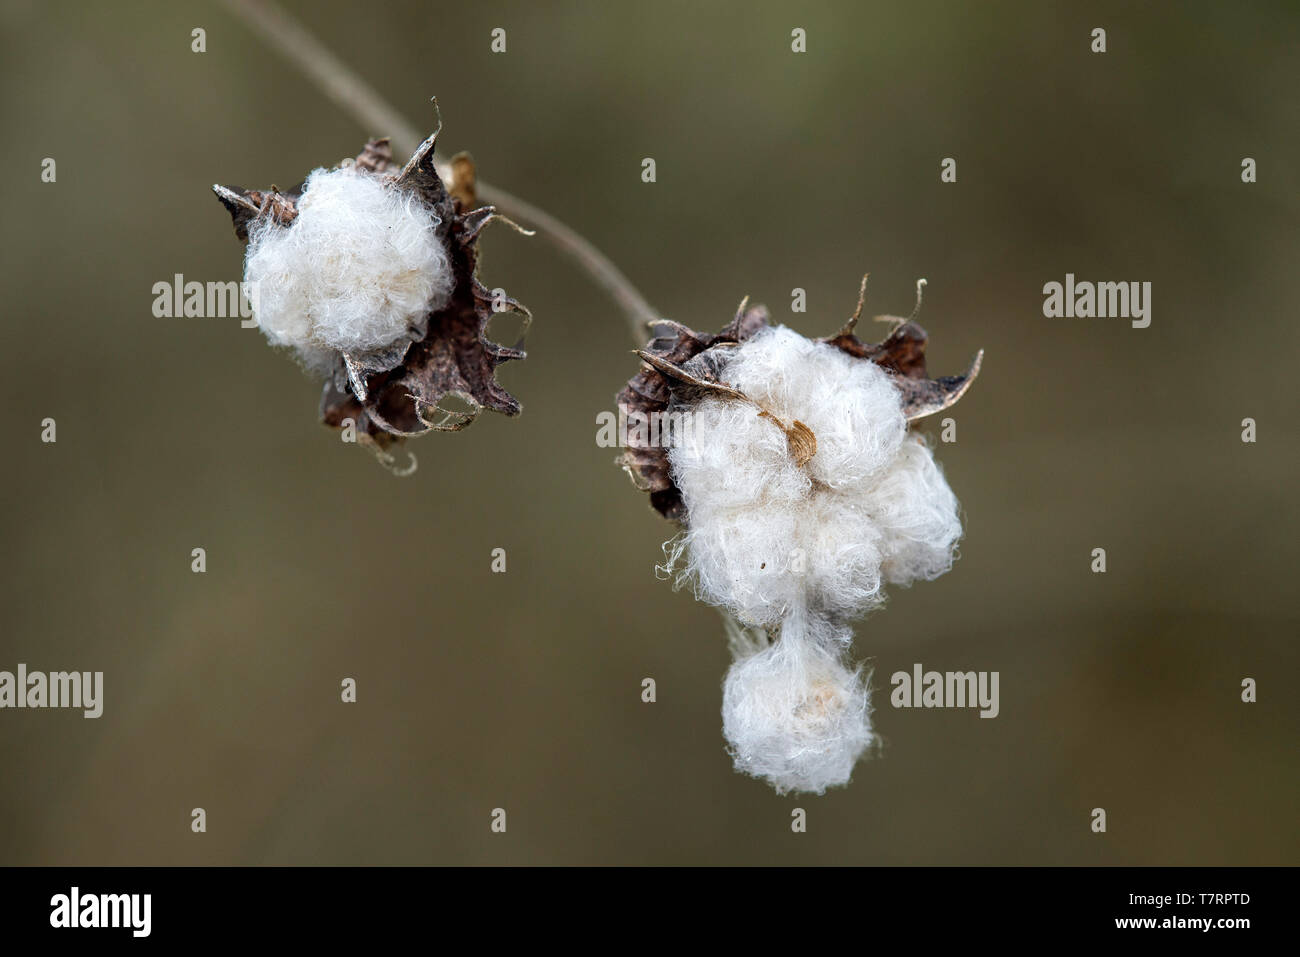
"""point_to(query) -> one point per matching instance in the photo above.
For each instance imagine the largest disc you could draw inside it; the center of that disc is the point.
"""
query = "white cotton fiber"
(850, 404)
(360, 266)
(748, 566)
(764, 533)
(916, 511)
(798, 550)
(794, 715)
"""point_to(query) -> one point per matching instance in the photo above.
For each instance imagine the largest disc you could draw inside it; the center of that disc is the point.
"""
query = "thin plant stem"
(358, 98)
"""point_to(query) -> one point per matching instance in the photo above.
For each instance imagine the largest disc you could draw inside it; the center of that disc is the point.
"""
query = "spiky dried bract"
(902, 353)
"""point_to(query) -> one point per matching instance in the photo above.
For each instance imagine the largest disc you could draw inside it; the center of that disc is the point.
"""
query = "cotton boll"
(794, 715)
(797, 547)
(764, 533)
(358, 268)
(794, 538)
(917, 514)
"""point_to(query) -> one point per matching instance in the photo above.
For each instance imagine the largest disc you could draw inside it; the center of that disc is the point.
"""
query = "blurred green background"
(522, 690)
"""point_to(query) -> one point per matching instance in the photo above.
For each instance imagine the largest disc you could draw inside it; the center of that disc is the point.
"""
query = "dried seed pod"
(392, 336)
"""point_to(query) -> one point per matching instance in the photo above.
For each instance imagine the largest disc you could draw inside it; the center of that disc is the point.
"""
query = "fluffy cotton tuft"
(793, 714)
(798, 550)
(765, 534)
(360, 266)
(916, 511)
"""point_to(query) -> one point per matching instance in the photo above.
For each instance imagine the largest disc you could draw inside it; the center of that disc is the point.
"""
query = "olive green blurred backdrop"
(522, 690)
